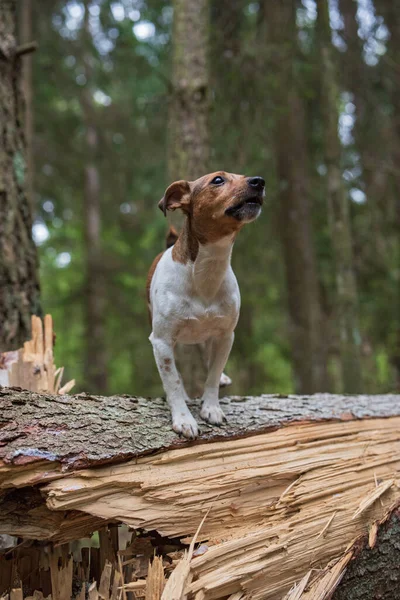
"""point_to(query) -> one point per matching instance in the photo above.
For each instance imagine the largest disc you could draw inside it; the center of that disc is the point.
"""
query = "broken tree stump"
(289, 483)
(32, 367)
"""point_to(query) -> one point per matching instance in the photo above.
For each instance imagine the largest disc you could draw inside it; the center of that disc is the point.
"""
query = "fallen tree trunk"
(369, 569)
(374, 570)
(288, 483)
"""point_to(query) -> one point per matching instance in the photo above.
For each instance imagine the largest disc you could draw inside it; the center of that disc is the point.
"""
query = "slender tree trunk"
(19, 285)
(26, 36)
(188, 148)
(308, 348)
(188, 155)
(354, 72)
(373, 156)
(227, 73)
(227, 18)
(391, 14)
(377, 164)
(339, 216)
(95, 301)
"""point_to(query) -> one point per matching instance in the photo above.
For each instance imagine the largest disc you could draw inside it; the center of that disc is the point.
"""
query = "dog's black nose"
(257, 183)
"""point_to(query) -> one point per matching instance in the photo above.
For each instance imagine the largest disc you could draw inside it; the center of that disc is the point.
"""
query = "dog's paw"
(186, 425)
(212, 414)
(225, 380)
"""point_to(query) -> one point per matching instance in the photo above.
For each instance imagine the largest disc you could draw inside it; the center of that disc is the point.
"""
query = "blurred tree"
(128, 96)
(391, 77)
(96, 364)
(19, 286)
(308, 345)
(189, 150)
(346, 306)
(241, 141)
(358, 79)
(188, 146)
(373, 235)
(228, 19)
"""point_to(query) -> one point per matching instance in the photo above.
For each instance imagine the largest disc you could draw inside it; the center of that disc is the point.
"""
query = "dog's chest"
(194, 303)
(203, 320)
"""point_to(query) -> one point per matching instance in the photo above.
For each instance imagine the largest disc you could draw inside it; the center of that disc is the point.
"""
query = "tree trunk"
(19, 284)
(354, 66)
(26, 37)
(96, 363)
(374, 571)
(188, 147)
(188, 156)
(355, 79)
(306, 331)
(227, 22)
(391, 14)
(339, 215)
(374, 158)
(287, 484)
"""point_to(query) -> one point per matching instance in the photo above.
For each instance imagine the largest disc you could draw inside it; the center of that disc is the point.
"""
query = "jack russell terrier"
(192, 291)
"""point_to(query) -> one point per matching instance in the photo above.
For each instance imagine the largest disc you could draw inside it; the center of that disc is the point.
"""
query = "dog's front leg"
(219, 350)
(182, 419)
(205, 349)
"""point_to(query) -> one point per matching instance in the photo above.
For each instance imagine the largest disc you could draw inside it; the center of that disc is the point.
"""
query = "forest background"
(123, 97)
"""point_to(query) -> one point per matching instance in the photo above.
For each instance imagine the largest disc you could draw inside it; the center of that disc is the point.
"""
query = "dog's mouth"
(246, 207)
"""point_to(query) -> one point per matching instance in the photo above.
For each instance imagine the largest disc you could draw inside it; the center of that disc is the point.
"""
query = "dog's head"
(217, 204)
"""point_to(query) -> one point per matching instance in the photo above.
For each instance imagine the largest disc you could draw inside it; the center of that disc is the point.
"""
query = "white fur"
(194, 303)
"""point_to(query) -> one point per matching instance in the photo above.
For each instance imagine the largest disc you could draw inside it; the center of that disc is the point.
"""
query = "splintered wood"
(281, 510)
(32, 367)
(270, 496)
(69, 577)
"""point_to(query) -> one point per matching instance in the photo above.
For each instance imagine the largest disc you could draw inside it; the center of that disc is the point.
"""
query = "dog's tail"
(172, 236)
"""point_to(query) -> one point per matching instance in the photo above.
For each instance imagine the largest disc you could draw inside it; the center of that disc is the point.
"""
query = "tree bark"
(96, 363)
(306, 327)
(26, 32)
(188, 146)
(19, 284)
(283, 478)
(227, 22)
(188, 153)
(374, 571)
(339, 214)
(95, 429)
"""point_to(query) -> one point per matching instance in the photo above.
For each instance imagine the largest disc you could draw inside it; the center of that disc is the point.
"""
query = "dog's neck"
(209, 261)
(210, 267)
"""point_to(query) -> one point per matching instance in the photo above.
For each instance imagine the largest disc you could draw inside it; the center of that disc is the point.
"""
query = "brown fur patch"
(172, 236)
(187, 246)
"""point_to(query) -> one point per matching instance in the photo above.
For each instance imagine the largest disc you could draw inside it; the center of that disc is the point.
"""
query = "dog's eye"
(218, 180)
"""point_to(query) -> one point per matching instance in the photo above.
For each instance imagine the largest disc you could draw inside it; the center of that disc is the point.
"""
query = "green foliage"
(130, 61)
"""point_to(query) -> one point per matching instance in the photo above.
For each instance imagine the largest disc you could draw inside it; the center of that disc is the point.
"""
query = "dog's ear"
(177, 195)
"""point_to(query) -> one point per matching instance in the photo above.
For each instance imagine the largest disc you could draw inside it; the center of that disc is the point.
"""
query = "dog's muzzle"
(249, 205)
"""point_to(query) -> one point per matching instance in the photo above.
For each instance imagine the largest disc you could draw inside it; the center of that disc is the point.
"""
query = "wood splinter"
(305, 451)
